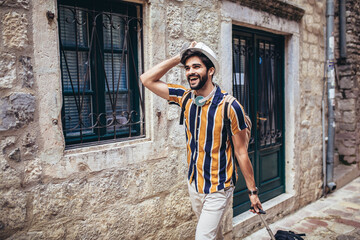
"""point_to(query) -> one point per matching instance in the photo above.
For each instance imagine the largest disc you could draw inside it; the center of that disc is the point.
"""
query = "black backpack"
(288, 235)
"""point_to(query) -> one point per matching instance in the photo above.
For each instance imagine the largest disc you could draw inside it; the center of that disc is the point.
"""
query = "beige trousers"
(209, 209)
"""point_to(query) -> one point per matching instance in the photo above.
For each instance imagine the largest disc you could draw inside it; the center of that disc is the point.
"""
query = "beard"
(202, 81)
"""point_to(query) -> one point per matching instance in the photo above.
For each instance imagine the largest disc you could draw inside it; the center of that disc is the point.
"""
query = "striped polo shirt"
(208, 148)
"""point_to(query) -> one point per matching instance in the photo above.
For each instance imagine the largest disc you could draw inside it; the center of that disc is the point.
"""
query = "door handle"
(258, 119)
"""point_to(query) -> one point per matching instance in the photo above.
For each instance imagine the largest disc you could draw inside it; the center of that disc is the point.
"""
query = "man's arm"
(246, 167)
(151, 78)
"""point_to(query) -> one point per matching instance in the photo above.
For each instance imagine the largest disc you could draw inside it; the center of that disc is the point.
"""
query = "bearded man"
(210, 166)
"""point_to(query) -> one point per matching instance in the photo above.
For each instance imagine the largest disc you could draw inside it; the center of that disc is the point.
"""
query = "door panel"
(258, 85)
(269, 166)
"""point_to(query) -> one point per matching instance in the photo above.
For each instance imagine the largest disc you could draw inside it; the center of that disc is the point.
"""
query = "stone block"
(165, 175)
(87, 195)
(176, 134)
(304, 69)
(12, 210)
(175, 74)
(312, 38)
(348, 126)
(314, 52)
(33, 172)
(15, 3)
(346, 136)
(346, 104)
(116, 221)
(343, 150)
(14, 31)
(15, 155)
(177, 208)
(308, 21)
(346, 83)
(148, 217)
(7, 70)
(26, 74)
(185, 231)
(29, 146)
(6, 143)
(173, 20)
(173, 112)
(349, 116)
(351, 93)
(305, 51)
(201, 26)
(350, 159)
(311, 68)
(9, 177)
(16, 110)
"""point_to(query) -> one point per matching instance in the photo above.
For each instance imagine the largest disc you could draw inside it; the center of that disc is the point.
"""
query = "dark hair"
(191, 52)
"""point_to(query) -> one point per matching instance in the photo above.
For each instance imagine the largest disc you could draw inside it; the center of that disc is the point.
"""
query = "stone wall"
(137, 189)
(128, 190)
(309, 141)
(18, 148)
(347, 92)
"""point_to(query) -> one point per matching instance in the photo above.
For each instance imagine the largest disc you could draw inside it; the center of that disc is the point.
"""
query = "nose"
(191, 71)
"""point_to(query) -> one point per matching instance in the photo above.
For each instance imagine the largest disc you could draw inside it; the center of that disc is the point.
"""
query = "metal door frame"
(241, 200)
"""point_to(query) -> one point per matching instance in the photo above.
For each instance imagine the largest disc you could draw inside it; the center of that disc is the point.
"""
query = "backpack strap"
(227, 122)
(227, 108)
(184, 101)
(225, 114)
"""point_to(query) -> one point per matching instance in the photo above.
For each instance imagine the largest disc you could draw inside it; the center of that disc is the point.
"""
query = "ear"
(212, 71)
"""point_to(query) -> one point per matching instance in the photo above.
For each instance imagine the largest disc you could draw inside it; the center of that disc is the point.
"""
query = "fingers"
(255, 205)
(187, 45)
(255, 209)
(193, 44)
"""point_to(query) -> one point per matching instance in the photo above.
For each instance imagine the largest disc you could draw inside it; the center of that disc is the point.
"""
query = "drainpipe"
(323, 134)
(330, 74)
(342, 22)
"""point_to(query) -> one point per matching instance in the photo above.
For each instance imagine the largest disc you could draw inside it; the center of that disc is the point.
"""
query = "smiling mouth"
(193, 78)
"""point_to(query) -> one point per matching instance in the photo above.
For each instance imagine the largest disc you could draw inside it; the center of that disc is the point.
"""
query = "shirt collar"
(216, 99)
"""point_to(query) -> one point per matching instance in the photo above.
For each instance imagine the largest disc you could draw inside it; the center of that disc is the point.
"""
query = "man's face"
(196, 73)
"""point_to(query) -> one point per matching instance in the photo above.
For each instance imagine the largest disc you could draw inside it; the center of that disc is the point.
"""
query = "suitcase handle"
(260, 210)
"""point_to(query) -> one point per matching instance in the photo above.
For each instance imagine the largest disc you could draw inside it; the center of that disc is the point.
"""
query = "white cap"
(201, 47)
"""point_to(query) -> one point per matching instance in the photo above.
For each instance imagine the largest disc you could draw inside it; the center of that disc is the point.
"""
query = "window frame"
(135, 126)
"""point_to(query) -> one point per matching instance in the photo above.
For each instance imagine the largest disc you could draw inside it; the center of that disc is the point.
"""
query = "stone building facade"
(136, 189)
(347, 114)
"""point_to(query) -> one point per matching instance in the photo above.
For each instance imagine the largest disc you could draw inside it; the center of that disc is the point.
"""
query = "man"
(208, 150)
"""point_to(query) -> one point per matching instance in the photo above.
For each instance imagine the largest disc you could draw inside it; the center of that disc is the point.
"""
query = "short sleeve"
(176, 93)
(237, 116)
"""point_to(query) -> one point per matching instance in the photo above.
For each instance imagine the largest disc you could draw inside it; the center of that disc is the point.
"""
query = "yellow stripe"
(216, 150)
(229, 169)
(201, 145)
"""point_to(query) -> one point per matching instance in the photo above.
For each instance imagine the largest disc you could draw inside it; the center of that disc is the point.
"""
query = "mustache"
(193, 75)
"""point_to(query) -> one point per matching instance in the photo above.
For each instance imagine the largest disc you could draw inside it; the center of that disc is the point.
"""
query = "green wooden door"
(258, 83)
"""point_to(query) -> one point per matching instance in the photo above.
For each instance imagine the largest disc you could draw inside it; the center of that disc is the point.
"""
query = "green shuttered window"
(101, 58)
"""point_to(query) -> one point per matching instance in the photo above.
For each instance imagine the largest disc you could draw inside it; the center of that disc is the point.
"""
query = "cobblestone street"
(336, 217)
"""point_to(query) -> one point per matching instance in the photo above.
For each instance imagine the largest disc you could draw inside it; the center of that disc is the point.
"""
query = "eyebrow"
(195, 64)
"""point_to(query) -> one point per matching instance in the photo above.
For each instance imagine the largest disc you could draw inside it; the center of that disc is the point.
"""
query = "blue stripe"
(192, 115)
(223, 159)
(239, 114)
(196, 144)
(208, 147)
(178, 92)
